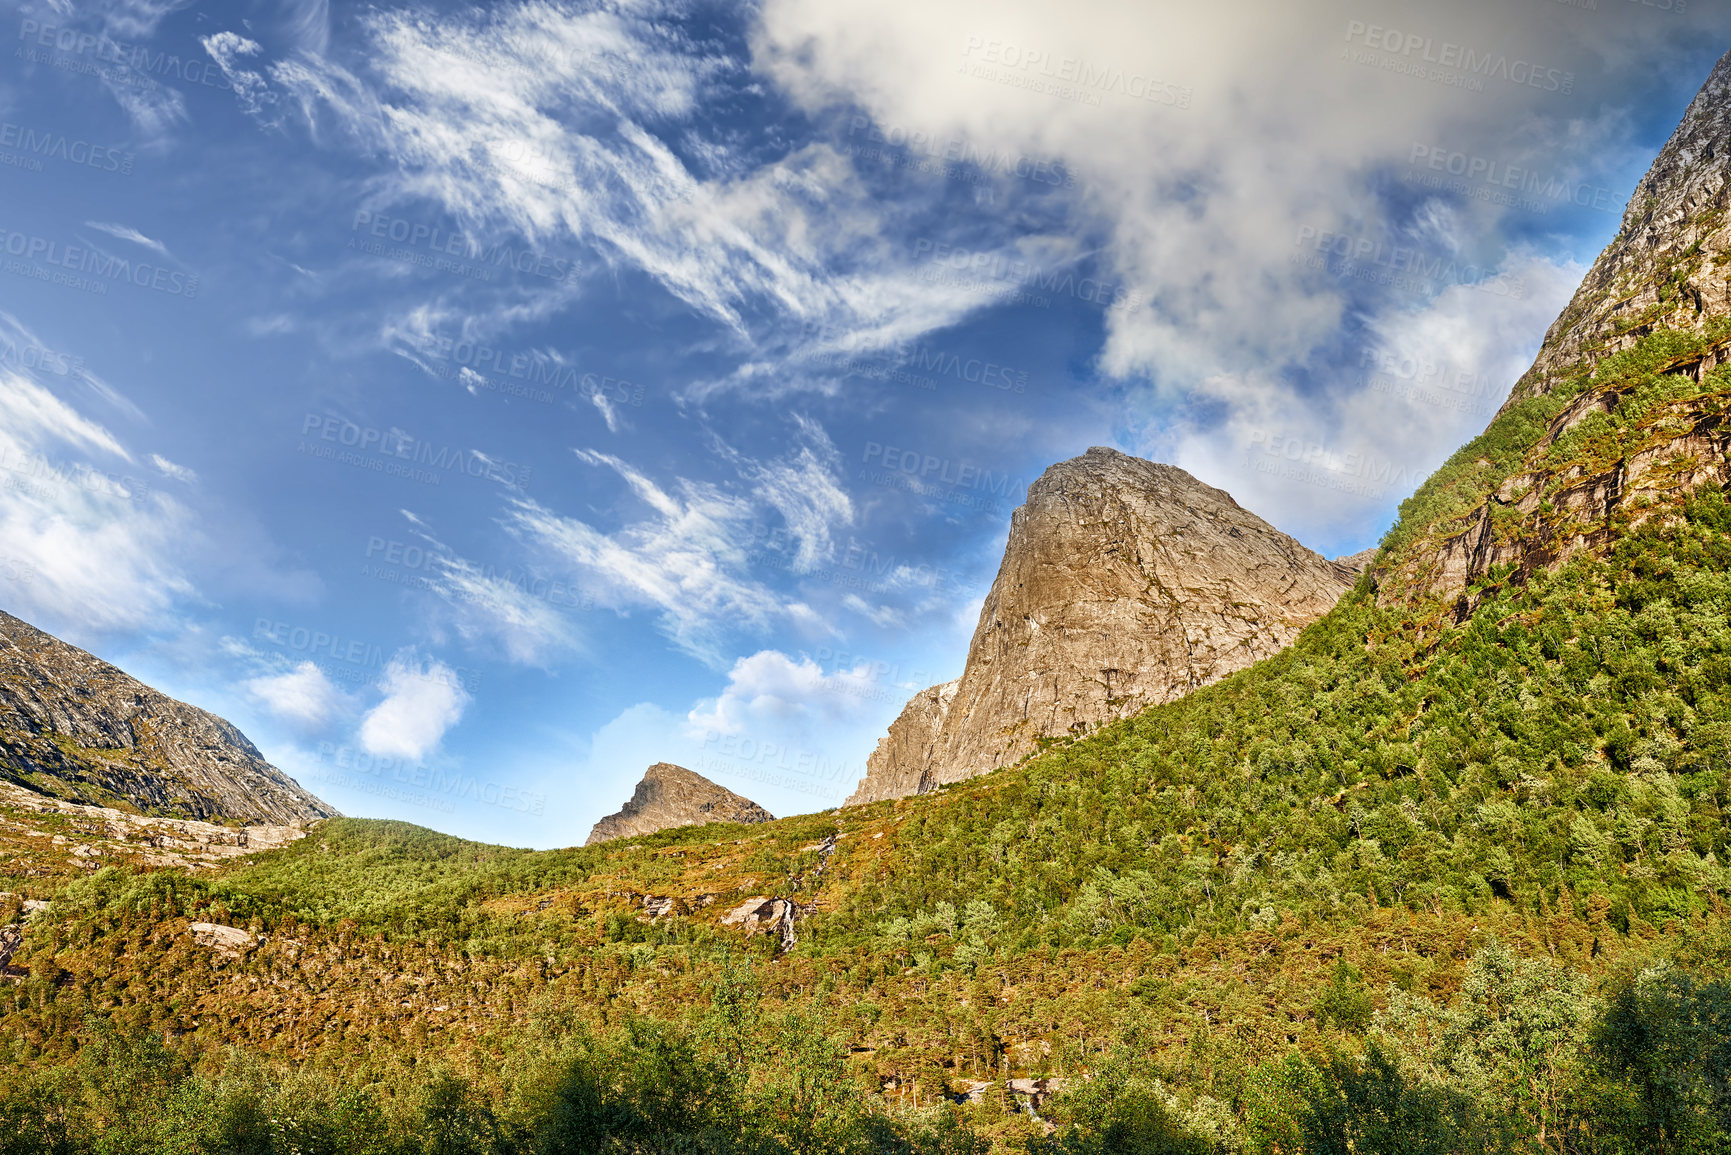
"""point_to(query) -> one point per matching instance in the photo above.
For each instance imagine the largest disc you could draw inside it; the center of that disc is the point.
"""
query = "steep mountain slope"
(1124, 584)
(74, 727)
(669, 796)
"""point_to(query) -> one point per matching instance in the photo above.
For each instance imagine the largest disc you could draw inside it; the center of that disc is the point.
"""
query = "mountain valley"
(1216, 846)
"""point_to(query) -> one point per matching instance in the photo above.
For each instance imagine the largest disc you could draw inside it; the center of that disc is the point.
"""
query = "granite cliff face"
(1622, 437)
(671, 795)
(76, 728)
(1124, 584)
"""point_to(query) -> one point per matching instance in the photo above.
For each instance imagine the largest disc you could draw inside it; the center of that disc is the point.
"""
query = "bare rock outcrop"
(30, 823)
(1357, 561)
(75, 727)
(227, 941)
(671, 795)
(1124, 584)
(771, 916)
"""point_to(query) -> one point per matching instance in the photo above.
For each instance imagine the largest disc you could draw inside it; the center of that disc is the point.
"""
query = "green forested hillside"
(1448, 874)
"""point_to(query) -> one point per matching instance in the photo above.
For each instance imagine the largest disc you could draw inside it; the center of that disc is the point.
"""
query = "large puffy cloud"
(422, 700)
(1226, 155)
(1424, 379)
(771, 689)
(1201, 186)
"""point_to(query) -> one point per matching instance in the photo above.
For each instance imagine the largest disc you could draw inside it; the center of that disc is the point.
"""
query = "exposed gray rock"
(76, 727)
(1037, 1090)
(123, 838)
(227, 941)
(11, 939)
(1124, 584)
(671, 795)
(1357, 561)
(761, 915)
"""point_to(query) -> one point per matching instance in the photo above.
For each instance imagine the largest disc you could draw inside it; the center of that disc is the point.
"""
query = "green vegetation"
(1431, 879)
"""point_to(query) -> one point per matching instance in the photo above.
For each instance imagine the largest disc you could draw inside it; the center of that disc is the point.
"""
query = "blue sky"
(476, 405)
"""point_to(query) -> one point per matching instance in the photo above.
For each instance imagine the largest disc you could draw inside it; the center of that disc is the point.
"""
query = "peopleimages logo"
(1398, 266)
(445, 242)
(956, 150)
(37, 358)
(36, 145)
(1088, 77)
(133, 57)
(88, 268)
(1518, 178)
(384, 449)
(1447, 54)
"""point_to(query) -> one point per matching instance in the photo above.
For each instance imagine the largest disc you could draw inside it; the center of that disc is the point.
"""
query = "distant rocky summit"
(1357, 561)
(671, 795)
(1124, 584)
(76, 728)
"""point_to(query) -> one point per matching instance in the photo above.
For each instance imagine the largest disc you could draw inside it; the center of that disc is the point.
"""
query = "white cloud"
(1199, 196)
(169, 469)
(307, 23)
(1429, 378)
(499, 116)
(1198, 209)
(250, 88)
(770, 689)
(804, 487)
(154, 107)
(690, 557)
(523, 616)
(423, 699)
(886, 617)
(303, 696)
(521, 612)
(128, 233)
(687, 559)
(608, 413)
(100, 545)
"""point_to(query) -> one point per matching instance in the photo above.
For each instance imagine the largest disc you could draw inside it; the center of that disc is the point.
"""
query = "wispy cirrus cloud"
(102, 549)
(588, 124)
(128, 233)
(689, 555)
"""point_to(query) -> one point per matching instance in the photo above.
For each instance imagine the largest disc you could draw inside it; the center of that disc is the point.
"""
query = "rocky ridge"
(75, 727)
(670, 795)
(1619, 442)
(1670, 263)
(1124, 584)
(46, 837)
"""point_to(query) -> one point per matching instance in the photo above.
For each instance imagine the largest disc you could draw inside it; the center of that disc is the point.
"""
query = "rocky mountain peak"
(1668, 265)
(74, 727)
(670, 795)
(1124, 583)
(1590, 441)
